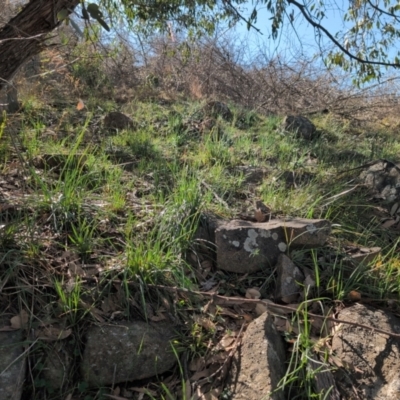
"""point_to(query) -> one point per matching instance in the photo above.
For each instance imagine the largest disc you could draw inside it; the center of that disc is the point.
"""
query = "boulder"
(373, 358)
(259, 364)
(244, 246)
(302, 127)
(126, 352)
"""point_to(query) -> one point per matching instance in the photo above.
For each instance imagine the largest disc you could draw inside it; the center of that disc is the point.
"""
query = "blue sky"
(292, 38)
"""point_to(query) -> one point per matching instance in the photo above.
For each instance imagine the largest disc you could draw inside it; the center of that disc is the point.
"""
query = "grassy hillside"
(86, 212)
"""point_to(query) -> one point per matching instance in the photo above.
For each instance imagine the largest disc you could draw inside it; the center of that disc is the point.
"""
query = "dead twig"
(223, 300)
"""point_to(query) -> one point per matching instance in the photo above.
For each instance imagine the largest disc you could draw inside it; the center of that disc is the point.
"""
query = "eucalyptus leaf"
(62, 14)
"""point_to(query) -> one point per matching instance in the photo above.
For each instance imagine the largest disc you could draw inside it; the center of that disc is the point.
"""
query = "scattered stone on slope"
(301, 126)
(252, 175)
(383, 178)
(12, 362)
(245, 247)
(373, 359)
(116, 120)
(362, 255)
(259, 364)
(217, 109)
(290, 280)
(126, 352)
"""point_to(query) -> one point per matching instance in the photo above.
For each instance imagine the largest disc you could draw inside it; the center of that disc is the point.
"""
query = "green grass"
(130, 204)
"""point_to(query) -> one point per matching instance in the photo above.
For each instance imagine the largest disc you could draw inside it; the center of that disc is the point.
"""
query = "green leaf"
(93, 9)
(62, 14)
(103, 24)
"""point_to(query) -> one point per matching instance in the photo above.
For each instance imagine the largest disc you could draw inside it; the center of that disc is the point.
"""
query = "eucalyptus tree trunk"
(23, 36)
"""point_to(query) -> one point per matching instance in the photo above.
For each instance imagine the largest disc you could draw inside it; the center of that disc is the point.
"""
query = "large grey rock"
(374, 358)
(289, 281)
(126, 352)
(301, 126)
(12, 363)
(244, 246)
(259, 364)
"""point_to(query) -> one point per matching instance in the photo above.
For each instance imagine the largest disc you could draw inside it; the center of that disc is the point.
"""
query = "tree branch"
(321, 28)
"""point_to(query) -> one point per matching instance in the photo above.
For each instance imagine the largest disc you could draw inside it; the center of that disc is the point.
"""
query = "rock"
(301, 126)
(290, 278)
(297, 178)
(362, 255)
(216, 108)
(126, 352)
(383, 178)
(57, 366)
(12, 363)
(207, 125)
(116, 120)
(259, 364)
(244, 246)
(374, 358)
(252, 175)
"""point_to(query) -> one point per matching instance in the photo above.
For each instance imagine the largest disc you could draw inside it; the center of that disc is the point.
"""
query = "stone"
(245, 247)
(252, 175)
(374, 358)
(302, 127)
(58, 365)
(12, 362)
(127, 352)
(383, 179)
(289, 281)
(117, 121)
(362, 255)
(217, 109)
(259, 364)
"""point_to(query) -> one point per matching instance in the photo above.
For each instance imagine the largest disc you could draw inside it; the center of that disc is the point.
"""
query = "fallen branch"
(223, 300)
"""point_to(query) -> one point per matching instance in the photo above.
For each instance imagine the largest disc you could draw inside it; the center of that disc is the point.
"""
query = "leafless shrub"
(221, 68)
